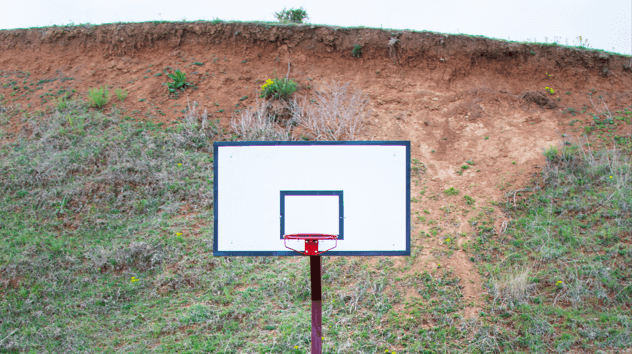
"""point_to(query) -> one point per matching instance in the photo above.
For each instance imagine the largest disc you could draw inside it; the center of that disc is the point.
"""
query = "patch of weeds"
(451, 191)
(356, 51)
(462, 169)
(98, 97)
(121, 94)
(278, 88)
(198, 63)
(469, 200)
(61, 103)
(551, 153)
(417, 167)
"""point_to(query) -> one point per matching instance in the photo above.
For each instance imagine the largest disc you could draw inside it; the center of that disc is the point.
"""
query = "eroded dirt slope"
(456, 98)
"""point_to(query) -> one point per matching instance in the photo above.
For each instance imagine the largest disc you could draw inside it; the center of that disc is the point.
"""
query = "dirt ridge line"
(404, 47)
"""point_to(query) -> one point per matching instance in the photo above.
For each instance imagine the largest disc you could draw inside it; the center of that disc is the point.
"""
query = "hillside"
(479, 114)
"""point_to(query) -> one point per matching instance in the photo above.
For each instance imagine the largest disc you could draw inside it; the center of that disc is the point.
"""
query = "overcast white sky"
(607, 24)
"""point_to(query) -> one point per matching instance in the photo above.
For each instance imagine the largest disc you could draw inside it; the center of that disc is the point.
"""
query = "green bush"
(356, 51)
(292, 15)
(98, 97)
(179, 81)
(278, 88)
(551, 153)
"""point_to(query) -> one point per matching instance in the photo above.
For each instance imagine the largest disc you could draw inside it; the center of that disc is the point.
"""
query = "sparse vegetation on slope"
(559, 275)
(106, 215)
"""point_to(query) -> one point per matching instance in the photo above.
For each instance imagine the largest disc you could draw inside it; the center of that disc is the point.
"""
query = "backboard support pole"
(316, 272)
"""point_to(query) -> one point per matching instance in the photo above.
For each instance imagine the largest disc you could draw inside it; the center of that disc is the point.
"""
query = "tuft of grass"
(61, 103)
(451, 191)
(98, 97)
(356, 51)
(121, 94)
(510, 290)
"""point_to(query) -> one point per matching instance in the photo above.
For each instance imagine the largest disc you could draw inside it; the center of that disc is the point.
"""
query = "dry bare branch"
(257, 124)
(335, 113)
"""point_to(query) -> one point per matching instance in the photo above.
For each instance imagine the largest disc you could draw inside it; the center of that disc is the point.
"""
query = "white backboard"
(358, 190)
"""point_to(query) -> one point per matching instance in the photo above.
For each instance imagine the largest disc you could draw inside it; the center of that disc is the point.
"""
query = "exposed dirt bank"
(456, 98)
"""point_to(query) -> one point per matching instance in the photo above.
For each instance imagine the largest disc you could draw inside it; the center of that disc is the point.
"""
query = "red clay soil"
(455, 97)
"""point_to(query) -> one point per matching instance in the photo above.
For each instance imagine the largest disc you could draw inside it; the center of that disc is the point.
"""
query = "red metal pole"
(316, 272)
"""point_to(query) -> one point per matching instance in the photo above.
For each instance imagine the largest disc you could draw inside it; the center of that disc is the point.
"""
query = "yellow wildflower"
(268, 83)
(134, 279)
(178, 233)
(179, 164)
(296, 347)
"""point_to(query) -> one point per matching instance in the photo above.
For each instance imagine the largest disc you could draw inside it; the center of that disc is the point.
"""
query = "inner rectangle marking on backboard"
(320, 212)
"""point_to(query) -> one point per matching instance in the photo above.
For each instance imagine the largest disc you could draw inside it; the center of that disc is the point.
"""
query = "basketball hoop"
(311, 242)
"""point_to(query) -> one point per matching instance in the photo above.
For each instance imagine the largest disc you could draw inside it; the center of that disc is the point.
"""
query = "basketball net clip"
(311, 243)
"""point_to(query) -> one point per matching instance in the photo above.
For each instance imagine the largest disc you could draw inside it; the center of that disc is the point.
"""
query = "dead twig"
(602, 204)
(518, 191)
(10, 334)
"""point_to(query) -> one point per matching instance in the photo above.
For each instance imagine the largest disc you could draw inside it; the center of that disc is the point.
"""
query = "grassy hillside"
(106, 246)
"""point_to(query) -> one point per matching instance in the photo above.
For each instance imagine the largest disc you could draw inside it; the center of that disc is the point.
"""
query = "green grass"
(121, 94)
(572, 241)
(88, 201)
(98, 97)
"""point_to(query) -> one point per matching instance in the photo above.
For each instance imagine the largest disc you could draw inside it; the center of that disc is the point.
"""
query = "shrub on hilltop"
(292, 15)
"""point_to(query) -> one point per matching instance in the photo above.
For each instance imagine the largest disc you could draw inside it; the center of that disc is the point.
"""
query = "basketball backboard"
(357, 190)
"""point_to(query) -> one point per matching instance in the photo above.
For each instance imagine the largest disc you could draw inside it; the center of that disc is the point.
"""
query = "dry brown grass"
(510, 289)
(336, 112)
(258, 124)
